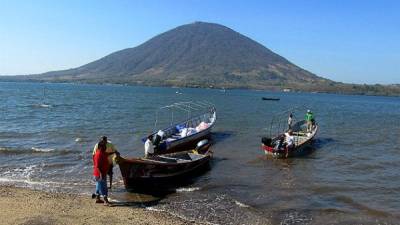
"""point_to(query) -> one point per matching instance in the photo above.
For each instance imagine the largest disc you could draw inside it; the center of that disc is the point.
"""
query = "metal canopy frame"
(188, 107)
(279, 121)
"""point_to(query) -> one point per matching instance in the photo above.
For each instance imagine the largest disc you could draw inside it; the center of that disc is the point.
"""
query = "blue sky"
(347, 41)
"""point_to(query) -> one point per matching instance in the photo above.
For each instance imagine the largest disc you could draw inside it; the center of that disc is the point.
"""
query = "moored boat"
(270, 98)
(154, 172)
(302, 142)
(186, 134)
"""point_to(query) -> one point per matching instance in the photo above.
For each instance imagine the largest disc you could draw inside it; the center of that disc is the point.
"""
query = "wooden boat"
(157, 171)
(270, 99)
(302, 139)
(186, 134)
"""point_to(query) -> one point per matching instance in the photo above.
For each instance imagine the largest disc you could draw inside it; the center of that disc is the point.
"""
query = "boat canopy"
(183, 111)
(279, 121)
(193, 115)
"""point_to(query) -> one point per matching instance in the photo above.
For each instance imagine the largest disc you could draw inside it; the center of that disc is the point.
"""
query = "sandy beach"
(25, 206)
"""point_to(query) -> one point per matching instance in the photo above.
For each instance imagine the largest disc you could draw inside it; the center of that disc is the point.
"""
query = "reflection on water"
(350, 177)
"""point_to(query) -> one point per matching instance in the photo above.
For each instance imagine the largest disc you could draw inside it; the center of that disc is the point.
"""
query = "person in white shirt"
(289, 140)
(148, 146)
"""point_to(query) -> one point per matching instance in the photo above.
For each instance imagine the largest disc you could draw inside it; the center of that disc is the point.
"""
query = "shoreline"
(27, 206)
(267, 88)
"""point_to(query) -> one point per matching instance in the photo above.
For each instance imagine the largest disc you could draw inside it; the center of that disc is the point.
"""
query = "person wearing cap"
(110, 151)
(309, 120)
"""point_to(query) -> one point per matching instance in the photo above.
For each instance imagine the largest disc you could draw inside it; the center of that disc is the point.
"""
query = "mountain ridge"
(198, 54)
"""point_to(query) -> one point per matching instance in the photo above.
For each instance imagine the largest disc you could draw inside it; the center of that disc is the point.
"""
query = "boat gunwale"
(199, 163)
(146, 161)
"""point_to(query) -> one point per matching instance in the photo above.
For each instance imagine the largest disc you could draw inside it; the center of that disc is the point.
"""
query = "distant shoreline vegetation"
(391, 90)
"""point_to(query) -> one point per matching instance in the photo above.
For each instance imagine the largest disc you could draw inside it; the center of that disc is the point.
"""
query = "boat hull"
(302, 150)
(141, 174)
(188, 142)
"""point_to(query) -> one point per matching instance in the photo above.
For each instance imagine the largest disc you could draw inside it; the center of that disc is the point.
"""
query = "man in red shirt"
(100, 169)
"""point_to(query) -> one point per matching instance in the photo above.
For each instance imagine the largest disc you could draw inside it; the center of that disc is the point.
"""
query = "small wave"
(39, 183)
(13, 174)
(7, 180)
(187, 189)
(114, 200)
(45, 105)
(34, 150)
(150, 208)
(41, 105)
(42, 149)
(78, 139)
(241, 204)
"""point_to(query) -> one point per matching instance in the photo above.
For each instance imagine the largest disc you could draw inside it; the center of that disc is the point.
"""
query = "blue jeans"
(101, 186)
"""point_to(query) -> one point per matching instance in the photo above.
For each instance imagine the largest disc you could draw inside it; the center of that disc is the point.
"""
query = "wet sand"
(25, 206)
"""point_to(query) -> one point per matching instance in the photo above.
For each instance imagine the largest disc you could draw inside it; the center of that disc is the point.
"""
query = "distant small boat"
(270, 99)
(44, 105)
(159, 171)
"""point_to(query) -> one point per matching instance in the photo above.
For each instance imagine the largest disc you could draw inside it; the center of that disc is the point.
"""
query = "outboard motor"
(201, 144)
(156, 140)
(266, 141)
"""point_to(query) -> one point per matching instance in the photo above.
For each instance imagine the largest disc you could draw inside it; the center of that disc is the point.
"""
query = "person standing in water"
(100, 169)
(110, 151)
(148, 146)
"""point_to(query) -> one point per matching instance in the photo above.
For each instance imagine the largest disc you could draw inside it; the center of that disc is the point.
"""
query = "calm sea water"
(47, 132)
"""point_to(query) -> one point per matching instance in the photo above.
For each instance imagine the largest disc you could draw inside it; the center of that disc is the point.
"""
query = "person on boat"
(289, 139)
(290, 121)
(148, 146)
(157, 140)
(289, 142)
(110, 151)
(279, 144)
(309, 120)
(100, 169)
